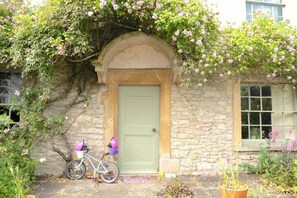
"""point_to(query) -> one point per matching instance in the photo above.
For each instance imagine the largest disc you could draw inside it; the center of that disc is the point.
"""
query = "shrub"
(176, 189)
(278, 167)
(16, 168)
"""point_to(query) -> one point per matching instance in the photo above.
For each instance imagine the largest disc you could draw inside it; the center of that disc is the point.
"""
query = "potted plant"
(255, 133)
(230, 186)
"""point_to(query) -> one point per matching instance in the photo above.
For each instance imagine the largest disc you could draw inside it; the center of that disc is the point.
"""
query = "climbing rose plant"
(36, 39)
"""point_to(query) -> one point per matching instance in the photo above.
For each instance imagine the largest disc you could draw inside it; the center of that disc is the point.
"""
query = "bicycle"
(108, 172)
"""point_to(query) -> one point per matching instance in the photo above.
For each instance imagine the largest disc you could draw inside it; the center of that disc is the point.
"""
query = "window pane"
(255, 91)
(266, 91)
(16, 80)
(4, 95)
(277, 11)
(15, 116)
(249, 17)
(266, 104)
(248, 9)
(257, 8)
(255, 104)
(244, 132)
(265, 131)
(244, 91)
(254, 118)
(4, 79)
(244, 104)
(244, 118)
(267, 9)
(266, 118)
(4, 110)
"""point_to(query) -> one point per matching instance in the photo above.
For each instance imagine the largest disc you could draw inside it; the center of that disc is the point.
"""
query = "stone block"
(169, 165)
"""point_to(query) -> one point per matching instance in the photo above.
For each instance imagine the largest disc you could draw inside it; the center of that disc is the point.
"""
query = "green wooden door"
(139, 117)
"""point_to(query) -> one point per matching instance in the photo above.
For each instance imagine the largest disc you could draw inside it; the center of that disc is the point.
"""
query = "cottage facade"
(133, 94)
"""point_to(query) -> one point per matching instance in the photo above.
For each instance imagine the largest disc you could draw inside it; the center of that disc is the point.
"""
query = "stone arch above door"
(138, 59)
(136, 50)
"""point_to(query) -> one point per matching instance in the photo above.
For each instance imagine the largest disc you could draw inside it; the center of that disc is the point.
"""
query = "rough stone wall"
(201, 123)
(83, 118)
(201, 127)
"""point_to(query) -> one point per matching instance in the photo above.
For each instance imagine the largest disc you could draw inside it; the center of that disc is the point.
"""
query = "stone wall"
(83, 109)
(201, 127)
(201, 123)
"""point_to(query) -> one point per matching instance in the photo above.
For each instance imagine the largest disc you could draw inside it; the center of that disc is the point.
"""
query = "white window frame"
(265, 3)
(281, 141)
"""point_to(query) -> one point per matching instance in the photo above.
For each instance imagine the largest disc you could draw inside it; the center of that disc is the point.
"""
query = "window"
(10, 88)
(265, 108)
(271, 7)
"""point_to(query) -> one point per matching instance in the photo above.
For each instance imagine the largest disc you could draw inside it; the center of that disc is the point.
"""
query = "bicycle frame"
(100, 168)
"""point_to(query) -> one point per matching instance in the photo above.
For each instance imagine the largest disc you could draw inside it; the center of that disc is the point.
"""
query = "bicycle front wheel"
(112, 172)
(75, 170)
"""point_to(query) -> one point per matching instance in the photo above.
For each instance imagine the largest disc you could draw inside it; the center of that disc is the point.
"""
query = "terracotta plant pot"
(30, 196)
(232, 193)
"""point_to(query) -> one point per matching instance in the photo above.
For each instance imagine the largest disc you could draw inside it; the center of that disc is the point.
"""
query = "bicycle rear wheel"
(112, 174)
(74, 170)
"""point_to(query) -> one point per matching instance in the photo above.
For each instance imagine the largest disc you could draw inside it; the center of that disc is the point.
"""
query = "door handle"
(154, 130)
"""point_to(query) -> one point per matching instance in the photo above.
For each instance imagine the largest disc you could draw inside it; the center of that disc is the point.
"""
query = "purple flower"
(17, 92)
(159, 5)
(60, 50)
(90, 13)
(272, 136)
(199, 42)
(140, 3)
(115, 7)
(292, 145)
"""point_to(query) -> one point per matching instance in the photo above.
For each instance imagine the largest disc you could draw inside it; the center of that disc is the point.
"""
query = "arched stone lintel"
(147, 52)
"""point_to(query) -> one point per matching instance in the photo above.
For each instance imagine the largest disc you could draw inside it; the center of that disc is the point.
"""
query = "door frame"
(115, 78)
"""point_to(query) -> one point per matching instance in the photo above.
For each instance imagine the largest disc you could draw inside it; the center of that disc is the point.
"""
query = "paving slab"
(140, 186)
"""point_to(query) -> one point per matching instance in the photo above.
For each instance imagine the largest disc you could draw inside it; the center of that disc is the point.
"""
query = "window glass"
(4, 95)
(267, 9)
(255, 90)
(255, 104)
(266, 104)
(268, 108)
(10, 91)
(254, 118)
(245, 104)
(270, 7)
(266, 118)
(244, 91)
(244, 132)
(244, 118)
(249, 9)
(266, 91)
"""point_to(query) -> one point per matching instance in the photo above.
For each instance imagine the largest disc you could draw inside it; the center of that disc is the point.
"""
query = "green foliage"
(16, 168)
(260, 45)
(278, 168)
(5, 121)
